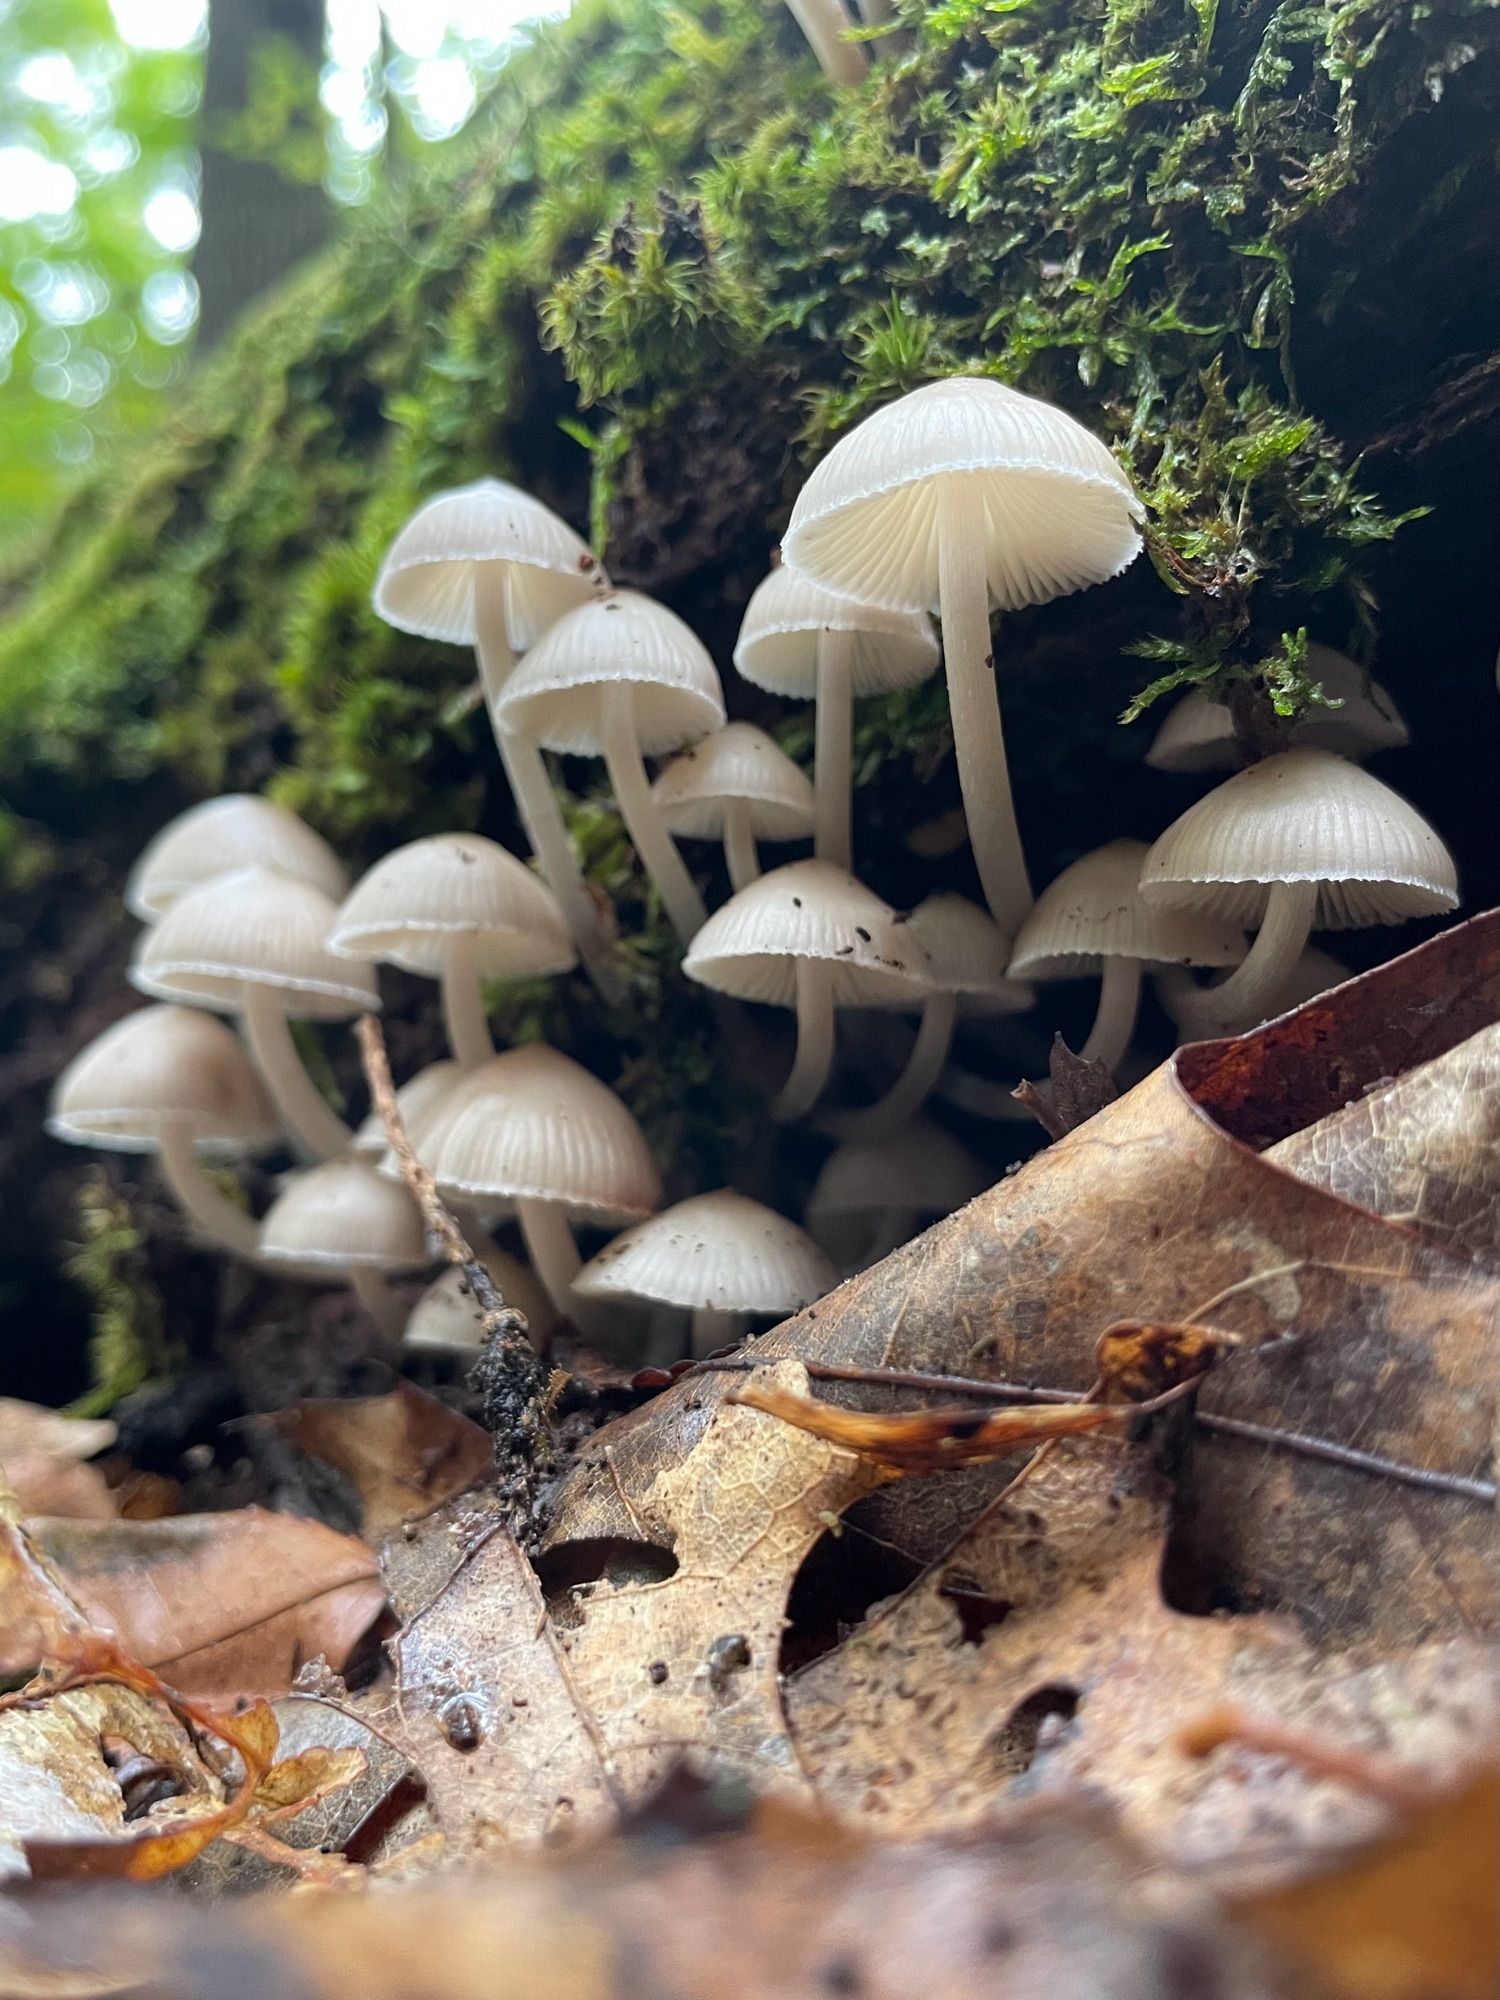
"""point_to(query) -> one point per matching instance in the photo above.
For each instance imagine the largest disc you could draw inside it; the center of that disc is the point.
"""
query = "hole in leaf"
(1013, 1746)
(569, 1572)
(977, 1613)
(843, 1574)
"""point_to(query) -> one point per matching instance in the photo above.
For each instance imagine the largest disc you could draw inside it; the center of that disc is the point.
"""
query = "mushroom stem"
(739, 845)
(823, 23)
(713, 1328)
(1253, 984)
(215, 1216)
(316, 1128)
(378, 1300)
(1114, 1017)
(464, 1021)
(890, 1228)
(974, 706)
(647, 828)
(911, 1089)
(833, 765)
(553, 1255)
(981, 1096)
(814, 1058)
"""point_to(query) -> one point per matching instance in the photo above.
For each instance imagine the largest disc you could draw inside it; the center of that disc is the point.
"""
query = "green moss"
(109, 1262)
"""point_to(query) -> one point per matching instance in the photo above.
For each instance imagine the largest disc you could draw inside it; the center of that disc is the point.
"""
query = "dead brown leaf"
(221, 1604)
(42, 1454)
(405, 1453)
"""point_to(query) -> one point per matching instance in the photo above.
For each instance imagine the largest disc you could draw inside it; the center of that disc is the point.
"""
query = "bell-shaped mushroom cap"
(534, 1125)
(164, 1068)
(555, 693)
(1198, 734)
(344, 1216)
(778, 643)
(417, 1100)
(426, 583)
(967, 955)
(447, 1316)
(220, 837)
(809, 910)
(1058, 512)
(921, 1169)
(1094, 911)
(718, 1251)
(414, 901)
(254, 928)
(1303, 816)
(738, 765)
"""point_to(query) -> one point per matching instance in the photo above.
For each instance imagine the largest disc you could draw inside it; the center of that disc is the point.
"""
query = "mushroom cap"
(339, 1216)
(533, 1125)
(752, 944)
(1198, 734)
(968, 955)
(718, 1250)
(254, 928)
(921, 1168)
(163, 1068)
(1094, 911)
(417, 1100)
(1303, 816)
(413, 901)
(737, 765)
(447, 1316)
(778, 644)
(1058, 512)
(426, 583)
(221, 836)
(555, 694)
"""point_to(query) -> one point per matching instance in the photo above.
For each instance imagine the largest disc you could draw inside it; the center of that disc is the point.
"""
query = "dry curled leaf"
(405, 1453)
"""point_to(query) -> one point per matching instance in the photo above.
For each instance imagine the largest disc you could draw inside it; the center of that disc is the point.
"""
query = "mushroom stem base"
(713, 1329)
(1240, 1000)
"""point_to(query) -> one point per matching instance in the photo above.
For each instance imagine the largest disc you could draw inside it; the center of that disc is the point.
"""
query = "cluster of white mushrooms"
(962, 498)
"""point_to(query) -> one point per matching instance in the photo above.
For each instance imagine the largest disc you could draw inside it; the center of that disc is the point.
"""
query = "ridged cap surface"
(426, 583)
(1303, 816)
(343, 1215)
(535, 1125)
(256, 928)
(720, 1250)
(220, 837)
(447, 1316)
(1198, 735)
(1095, 910)
(417, 1100)
(554, 694)
(414, 901)
(736, 765)
(968, 955)
(778, 644)
(1058, 511)
(751, 946)
(164, 1067)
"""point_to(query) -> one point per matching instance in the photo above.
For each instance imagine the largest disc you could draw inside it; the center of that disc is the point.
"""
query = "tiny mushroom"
(739, 787)
(254, 944)
(1198, 733)
(1300, 842)
(800, 640)
(487, 566)
(961, 495)
(535, 1131)
(1093, 922)
(170, 1081)
(221, 836)
(721, 1256)
(809, 937)
(621, 677)
(459, 909)
(826, 27)
(966, 962)
(447, 1316)
(1316, 972)
(343, 1220)
(417, 1100)
(872, 1197)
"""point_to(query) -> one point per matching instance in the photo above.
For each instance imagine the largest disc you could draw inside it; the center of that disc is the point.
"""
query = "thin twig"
(1426, 1478)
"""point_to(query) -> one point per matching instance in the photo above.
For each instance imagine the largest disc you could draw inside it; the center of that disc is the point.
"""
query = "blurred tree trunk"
(255, 222)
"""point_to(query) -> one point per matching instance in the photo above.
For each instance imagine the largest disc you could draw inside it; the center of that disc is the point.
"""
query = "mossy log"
(1247, 242)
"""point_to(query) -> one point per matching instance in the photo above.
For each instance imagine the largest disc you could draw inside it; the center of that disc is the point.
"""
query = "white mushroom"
(417, 1100)
(253, 944)
(343, 1220)
(721, 1256)
(962, 495)
(447, 1317)
(176, 1083)
(221, 836)
(739, 787)
(800, 640)
(869, 1199)
(459, 909)
(1198, 733)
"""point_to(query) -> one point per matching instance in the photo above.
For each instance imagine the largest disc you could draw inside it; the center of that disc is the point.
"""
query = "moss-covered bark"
(1246, 242)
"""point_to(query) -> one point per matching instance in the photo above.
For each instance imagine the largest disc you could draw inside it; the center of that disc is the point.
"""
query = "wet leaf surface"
(404, 1453)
